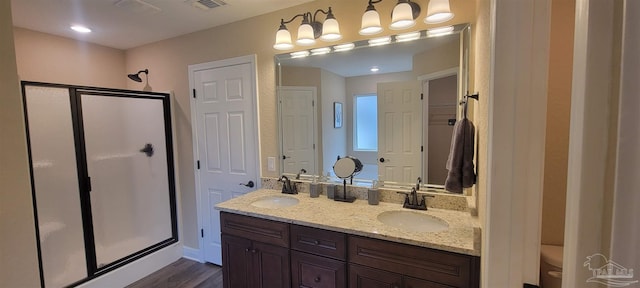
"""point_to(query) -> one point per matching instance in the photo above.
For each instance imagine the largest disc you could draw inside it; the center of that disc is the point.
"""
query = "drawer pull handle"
(317, 280)
(316, 242)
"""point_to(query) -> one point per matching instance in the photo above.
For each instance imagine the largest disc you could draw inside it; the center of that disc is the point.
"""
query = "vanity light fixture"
(309, 30)
(80, 29)
(403, 16)
(438, 11)
(344, 47)
(380, 41)
(408, 36)
(440, 31)
(300, 54)
(320, 51)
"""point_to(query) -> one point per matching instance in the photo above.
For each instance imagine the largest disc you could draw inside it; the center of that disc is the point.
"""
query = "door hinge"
(313, 103)
(194, 93)
(198, 164)
(201, 233)
(88, 184)
(421, 148)
(314, 146)
(421, 96)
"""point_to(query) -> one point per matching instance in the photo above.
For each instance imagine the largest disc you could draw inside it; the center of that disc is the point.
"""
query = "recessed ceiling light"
(375, 69)
(80, 29)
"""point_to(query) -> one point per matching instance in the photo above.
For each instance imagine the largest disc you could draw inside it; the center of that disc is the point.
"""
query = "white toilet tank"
(551, 266)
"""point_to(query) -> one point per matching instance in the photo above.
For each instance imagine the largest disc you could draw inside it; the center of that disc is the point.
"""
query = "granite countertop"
(360, 218)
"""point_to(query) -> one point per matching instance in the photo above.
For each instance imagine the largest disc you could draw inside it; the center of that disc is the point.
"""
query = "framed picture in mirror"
(337, 115)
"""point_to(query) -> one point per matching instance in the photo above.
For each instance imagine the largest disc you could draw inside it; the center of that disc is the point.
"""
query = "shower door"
(127, 166)
(102, 174)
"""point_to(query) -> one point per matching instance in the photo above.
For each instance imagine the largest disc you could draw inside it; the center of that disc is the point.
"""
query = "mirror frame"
(463, 30)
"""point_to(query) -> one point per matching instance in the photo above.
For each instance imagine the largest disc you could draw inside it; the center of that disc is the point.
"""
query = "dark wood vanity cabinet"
(255, 252)
(408, 266)
(264, 253)
(318, 258)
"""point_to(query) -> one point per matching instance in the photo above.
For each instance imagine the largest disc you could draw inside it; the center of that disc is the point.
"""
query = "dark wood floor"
(184, 274)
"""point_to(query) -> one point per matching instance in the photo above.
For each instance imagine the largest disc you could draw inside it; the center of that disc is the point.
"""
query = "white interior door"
(297, 123)
(225, 137)
(399, 131)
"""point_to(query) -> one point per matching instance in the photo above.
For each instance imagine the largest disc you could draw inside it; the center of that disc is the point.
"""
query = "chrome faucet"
(418, 183)
(301, 171)
(287, 187)
(411, 200)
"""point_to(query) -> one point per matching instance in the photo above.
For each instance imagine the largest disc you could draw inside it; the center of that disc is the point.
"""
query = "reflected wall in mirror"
(400, 104)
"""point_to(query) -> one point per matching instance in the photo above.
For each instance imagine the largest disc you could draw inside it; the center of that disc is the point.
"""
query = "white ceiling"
(132, 23)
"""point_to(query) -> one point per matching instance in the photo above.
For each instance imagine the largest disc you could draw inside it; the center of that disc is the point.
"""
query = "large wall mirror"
(392, 106)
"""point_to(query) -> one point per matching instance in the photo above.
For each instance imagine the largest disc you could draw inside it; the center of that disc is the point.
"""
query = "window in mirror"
(366, 122)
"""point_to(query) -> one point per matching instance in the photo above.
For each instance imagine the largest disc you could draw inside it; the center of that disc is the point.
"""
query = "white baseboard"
(192, 254)
(138, 269)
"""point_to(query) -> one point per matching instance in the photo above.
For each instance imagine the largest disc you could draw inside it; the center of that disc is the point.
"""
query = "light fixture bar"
(320, 51)
(440, 31)
(344, 47)
(300, 54)
(405, 37)
(309, 30)
(380, 41)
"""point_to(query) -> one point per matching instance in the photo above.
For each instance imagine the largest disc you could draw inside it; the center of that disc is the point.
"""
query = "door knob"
(284, 157)
(382, 160)
(249, 184)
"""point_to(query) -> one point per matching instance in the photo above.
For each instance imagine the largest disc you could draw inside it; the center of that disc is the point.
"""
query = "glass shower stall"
(102, 178)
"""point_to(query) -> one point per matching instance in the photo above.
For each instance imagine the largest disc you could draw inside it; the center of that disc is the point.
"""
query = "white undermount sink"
(412, 221)
(275, 202)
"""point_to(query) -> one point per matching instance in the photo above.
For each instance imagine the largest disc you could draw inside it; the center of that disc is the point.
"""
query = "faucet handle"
(424, 200)
(406, 196)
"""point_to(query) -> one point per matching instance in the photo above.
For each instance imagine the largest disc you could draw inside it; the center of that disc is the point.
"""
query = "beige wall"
(18, 259)
(168, 61)
(334, 140)
(558, 114)
(47, 58)
(481, 44)
(438, 59)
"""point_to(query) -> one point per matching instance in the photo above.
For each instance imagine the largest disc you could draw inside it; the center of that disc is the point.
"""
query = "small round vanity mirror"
(347, 167)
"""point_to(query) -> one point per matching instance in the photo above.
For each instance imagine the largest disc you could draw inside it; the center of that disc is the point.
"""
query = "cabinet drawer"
(311, 271)
(265, 231)
(436, 266)
(318, 241)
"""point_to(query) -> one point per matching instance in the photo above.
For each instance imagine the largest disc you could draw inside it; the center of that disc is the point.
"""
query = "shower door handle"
(249, 184)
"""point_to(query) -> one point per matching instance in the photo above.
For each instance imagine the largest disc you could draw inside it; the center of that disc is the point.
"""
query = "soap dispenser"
(314, 190)
(373, 196)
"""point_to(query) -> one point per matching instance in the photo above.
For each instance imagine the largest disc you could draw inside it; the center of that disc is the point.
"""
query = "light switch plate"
(271, 164)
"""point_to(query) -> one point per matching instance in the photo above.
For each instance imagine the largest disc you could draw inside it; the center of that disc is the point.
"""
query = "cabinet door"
(236, 259)
(365, 277)
(311, 271)
(271, 266)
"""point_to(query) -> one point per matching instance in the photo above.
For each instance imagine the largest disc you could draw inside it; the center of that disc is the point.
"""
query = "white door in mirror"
(399, 131)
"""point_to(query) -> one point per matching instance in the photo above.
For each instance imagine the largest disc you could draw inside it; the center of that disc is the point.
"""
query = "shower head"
(136, 76)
